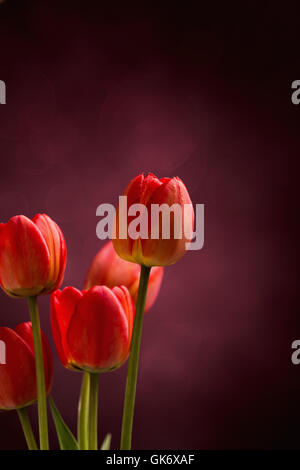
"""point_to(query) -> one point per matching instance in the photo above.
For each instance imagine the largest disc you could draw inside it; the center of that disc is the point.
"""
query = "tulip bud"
(108, 269)
(167, 218)
(32, 256)
(17, 376)
(92, 329)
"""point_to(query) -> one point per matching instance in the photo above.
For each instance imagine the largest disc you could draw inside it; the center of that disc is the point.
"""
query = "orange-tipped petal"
(57, 250)
(125, 298)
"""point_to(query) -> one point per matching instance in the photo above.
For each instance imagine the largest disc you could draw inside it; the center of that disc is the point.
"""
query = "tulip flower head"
(163, 240)
(32, 256)
(17, 375)
(110, 270)
(92, 329)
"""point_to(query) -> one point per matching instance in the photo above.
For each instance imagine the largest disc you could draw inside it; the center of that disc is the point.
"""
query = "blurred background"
(100, 92)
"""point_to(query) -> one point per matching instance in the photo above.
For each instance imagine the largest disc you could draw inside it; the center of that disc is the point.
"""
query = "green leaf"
(106, 442)
(65, 438)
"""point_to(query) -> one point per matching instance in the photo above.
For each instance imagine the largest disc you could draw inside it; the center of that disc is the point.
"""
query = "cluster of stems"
(87, 427)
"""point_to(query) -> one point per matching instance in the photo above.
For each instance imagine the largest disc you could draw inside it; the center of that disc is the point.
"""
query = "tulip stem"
(83, 413)
(40, 374)
(93, 415)
(27, 429)
(128, 410)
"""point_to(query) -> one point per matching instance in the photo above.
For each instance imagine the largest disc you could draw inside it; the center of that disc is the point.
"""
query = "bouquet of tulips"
(95, 330)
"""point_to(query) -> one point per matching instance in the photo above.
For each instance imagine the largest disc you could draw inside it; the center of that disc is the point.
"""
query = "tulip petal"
(57, 249)
(17, 376)
(125, 299)
(108, 269)
(138, 191)
(98, 333)
(163, 252)
(63, 304)
(24, 257)
(158, 251)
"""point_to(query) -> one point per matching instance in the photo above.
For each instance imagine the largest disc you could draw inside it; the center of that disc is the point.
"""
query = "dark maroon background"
(97, 94)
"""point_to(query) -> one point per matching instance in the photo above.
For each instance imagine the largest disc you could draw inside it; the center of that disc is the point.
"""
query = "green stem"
(27, 429)
(93, 415)
(83, 413)
(128, 410)
(40, 374)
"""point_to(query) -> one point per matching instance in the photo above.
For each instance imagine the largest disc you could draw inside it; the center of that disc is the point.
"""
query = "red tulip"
(155, 250)
(17, 375)
(108, 269)
(92, 329)
(32, 256)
